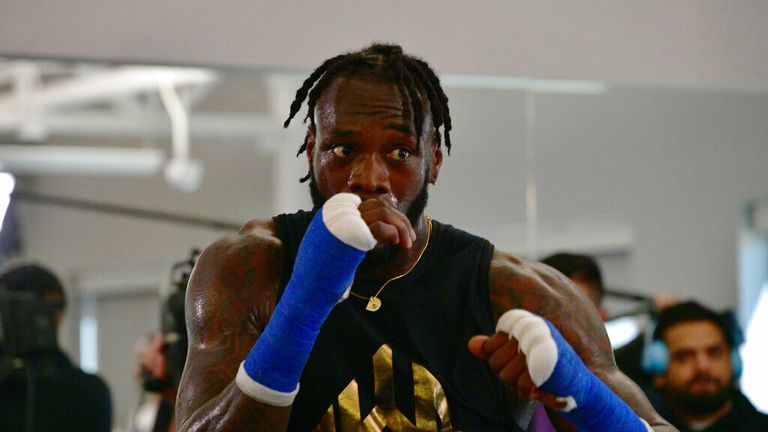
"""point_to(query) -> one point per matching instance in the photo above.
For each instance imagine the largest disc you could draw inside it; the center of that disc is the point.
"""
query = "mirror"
(120, 170)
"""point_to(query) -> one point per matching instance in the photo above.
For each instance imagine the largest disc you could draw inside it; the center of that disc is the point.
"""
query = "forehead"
(360, 99)
(693, 334)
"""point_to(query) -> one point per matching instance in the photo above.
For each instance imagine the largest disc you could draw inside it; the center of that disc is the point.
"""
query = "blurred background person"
(695, 365)
(584, 272)
(154, 412)
(161, 357)
(40, 388)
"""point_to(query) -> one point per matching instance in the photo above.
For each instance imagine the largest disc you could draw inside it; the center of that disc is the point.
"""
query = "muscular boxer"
(360, 314)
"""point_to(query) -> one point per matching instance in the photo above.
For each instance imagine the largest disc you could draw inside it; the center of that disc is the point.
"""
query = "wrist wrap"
(332, 248)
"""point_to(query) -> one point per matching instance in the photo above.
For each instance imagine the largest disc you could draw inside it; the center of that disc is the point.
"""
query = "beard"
(383, 253)
(700, 403)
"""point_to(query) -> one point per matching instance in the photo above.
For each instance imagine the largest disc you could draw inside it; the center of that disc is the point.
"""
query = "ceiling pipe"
(109, 84)
(536, 85)
(181, 172)
(65, 160)
(107, 124)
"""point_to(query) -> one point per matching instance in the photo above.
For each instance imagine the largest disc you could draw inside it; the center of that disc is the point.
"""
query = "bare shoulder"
(255, 242)
(536, 287)
(237, 276)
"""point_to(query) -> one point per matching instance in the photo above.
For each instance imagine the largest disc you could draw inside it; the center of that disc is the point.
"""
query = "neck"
(392, 261)
(692, 419)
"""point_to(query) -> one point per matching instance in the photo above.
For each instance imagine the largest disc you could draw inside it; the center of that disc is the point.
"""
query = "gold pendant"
(373, 304)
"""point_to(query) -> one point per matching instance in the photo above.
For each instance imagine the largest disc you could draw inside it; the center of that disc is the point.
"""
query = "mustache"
(703, 377)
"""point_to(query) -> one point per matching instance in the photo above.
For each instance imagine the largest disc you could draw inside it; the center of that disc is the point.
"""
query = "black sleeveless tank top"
(405, 367)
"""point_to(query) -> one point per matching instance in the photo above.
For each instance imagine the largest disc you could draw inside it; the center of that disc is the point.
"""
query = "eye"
(716, 352)
(400, 153)
(342, 150)
(682, 356)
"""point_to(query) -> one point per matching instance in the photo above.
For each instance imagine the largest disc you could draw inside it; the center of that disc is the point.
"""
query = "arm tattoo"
(517, 284)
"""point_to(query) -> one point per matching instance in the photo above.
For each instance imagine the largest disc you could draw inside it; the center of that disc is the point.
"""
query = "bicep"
(217, 345)
(227, 306)
(547, 293)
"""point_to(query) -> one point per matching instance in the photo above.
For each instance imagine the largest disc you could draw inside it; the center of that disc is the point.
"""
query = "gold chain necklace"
(374, 303)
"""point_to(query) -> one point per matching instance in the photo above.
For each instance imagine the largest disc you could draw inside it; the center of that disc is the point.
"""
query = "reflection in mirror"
(121, 170)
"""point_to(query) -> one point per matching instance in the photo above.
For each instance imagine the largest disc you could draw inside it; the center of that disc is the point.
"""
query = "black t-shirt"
(64, 398)
(744, 417)
(405, 366)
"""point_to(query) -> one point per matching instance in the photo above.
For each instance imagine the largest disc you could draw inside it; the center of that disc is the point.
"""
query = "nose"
(702, 362)
(369, 176)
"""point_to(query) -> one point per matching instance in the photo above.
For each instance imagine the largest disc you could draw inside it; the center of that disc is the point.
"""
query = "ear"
(436, 163)
(310, 140)
(58, 316)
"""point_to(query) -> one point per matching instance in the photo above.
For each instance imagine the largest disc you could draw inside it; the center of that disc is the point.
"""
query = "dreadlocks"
(413, 76)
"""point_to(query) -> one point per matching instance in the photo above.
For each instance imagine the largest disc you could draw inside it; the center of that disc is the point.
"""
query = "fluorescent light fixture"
(500, 82)
(7, 183)
(49, 159)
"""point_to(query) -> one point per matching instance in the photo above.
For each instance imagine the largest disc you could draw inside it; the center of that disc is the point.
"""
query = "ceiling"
(43, 100)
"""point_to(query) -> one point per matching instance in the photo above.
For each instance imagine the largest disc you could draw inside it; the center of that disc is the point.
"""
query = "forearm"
(267, 379)
(232, 410)
(627, 390)
(630, 393)
(663, 427)
(562, 425)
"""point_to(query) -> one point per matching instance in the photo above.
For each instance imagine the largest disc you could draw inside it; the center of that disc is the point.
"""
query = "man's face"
(364, 142)
(699, 378)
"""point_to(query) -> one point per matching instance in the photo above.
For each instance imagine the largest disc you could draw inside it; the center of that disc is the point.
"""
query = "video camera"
(173, 327)
(173, 322)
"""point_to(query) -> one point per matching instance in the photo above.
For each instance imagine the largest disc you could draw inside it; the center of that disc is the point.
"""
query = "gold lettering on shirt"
(431, 407)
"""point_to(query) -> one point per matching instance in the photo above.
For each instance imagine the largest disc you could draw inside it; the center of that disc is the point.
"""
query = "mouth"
(704, 386)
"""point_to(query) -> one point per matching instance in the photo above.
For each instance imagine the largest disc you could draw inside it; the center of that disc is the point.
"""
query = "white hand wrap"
(342, 218)
(535, 341)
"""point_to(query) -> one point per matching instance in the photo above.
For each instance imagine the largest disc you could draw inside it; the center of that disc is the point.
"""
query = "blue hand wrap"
(597, 407)
(324, 269)
(555, 368)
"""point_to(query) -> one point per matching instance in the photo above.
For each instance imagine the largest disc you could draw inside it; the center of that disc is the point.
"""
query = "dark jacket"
(744, 417)
(63, 398)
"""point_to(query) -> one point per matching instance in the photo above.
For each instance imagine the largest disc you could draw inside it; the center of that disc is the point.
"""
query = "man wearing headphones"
(695, 365)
